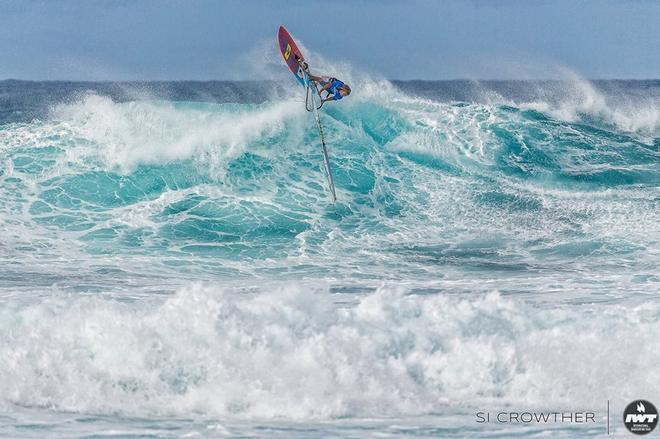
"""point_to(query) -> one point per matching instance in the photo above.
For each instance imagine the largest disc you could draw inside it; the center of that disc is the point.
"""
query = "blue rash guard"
(335, 84)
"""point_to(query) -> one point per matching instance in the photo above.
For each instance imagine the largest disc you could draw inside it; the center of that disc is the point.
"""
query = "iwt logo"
(640, 417)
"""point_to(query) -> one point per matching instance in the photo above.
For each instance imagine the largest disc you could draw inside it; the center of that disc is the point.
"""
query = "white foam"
(125, 135)
(443, 130)
(288, 351)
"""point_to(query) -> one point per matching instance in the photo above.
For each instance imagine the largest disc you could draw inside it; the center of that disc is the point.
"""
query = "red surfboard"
(291, 54)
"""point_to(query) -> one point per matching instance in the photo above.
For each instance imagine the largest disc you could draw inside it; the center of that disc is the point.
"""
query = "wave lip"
(125, 135)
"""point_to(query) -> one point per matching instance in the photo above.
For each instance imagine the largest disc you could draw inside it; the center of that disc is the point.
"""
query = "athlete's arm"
(314, 78)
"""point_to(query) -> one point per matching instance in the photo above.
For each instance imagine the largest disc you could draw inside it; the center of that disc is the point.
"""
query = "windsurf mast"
(326, 158)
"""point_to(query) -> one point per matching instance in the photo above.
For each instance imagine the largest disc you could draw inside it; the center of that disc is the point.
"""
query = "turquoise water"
(172, 262)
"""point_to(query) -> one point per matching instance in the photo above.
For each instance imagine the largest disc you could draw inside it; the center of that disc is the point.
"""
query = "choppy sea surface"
(171, 263)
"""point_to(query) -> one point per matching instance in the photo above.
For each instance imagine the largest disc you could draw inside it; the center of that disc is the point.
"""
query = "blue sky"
(207, 39)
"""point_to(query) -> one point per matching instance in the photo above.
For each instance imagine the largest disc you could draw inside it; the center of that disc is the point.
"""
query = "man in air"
(334, 88)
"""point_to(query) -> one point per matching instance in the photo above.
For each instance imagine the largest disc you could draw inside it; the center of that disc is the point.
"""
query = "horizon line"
(111, 81)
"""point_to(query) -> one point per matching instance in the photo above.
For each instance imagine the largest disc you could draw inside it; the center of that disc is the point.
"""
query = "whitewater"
(172, 264)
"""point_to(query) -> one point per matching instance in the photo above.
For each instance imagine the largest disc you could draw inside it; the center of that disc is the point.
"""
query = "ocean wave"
(288, 351)
(425, 188)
